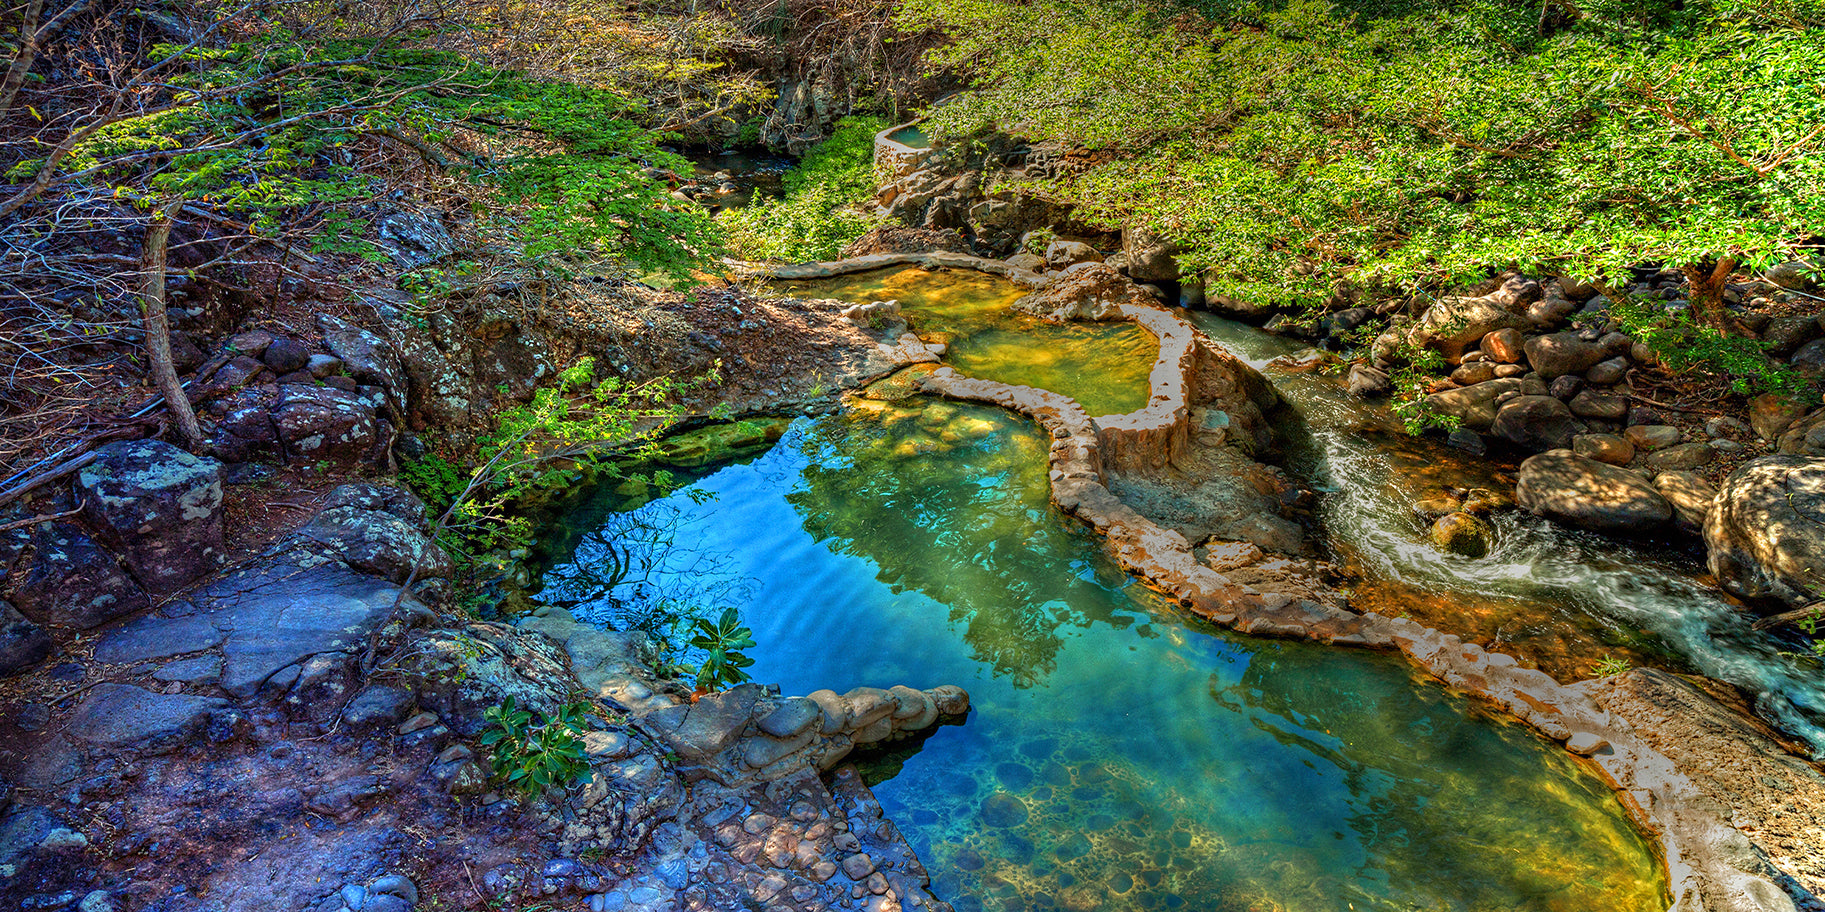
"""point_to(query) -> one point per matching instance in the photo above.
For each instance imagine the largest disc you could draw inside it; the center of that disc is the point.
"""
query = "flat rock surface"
(124, 716)
(274, 614)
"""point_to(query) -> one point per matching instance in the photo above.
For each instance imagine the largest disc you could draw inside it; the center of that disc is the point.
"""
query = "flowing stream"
(1120, 755)
(1563, 597)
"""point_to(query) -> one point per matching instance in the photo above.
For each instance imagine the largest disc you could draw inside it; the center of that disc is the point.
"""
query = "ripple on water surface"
(1104, 366)
(1119, 756)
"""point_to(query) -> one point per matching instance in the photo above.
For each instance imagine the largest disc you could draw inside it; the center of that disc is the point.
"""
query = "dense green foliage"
(820, 212)
(1288, 146)
(578, 427)
(533, 753)
(271, 128)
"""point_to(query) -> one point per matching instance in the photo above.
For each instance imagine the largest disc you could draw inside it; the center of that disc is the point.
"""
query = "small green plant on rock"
(723, 640)
(533, 754)
(1610, 666)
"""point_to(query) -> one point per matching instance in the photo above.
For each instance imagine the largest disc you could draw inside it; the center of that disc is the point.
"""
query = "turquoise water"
(1119, 756)
(911, 137)
(1104, 366)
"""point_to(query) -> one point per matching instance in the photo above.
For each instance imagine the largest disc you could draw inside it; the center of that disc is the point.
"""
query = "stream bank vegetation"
(1310, 154)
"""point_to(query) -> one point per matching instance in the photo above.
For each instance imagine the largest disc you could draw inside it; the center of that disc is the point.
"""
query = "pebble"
(418, 722)
(1584, 744)
(612, 901)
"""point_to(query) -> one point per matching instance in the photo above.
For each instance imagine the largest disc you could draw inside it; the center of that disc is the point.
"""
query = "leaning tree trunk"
(1705, 287)
(158, 329)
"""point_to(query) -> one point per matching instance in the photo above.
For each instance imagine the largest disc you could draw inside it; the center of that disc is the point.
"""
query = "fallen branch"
(1789, 618)
(62, 471)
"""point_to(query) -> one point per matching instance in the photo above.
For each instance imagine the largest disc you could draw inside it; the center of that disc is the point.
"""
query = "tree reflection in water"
(952, 501)
(646, 569)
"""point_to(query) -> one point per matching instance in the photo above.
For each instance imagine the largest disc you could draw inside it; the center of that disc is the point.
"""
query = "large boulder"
(1062, 254)
(1589, 494)
(1766, 530)
(1473, 406)
(1150, 257)
(324, 425)
(1536, 423)
(243, 427)
(376, 530)
(74, 582)
(159, 507)
(366, 357)
(1455, 325)
(1561, 354)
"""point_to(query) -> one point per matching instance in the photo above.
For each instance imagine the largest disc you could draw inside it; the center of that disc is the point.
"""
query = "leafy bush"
(567, 174)
(533, 754)
(577, 426)
(820, 212)
(723, 641)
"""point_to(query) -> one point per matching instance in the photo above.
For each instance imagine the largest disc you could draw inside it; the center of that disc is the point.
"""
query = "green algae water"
(1119, 756)
(1104, 366)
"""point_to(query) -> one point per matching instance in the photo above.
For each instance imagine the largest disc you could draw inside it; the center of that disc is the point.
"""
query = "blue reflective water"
(1119, 756)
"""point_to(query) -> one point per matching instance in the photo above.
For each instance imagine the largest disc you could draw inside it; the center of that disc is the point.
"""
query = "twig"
(20, 524)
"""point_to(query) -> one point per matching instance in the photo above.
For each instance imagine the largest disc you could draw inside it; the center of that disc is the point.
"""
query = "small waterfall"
(1571, 574)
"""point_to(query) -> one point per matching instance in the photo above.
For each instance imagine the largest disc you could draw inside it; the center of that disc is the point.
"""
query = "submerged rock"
(1462, 534)
(1589, 494)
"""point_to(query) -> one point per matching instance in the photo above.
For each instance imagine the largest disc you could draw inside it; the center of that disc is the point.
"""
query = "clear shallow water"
(1119, 756)
(912, 137)
(1104, 366)
(1564, 596)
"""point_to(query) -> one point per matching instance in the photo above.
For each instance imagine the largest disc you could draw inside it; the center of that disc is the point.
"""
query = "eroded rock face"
(1088, 291)
(1589, 494)
(1766, 531)
(159, 507)
(74, 582)
(124, 717)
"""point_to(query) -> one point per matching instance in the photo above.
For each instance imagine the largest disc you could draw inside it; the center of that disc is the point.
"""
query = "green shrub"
(533, 754)
(821, 211)
(1684, 347)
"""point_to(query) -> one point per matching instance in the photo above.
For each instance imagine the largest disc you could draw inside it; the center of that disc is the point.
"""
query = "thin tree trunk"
(158, 329)
(1705, 286)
